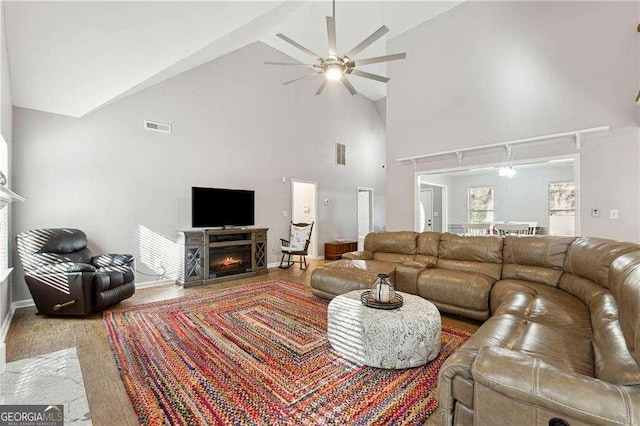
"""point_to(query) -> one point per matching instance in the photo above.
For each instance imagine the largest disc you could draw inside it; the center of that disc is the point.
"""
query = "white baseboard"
(5, 328)
(12, 310)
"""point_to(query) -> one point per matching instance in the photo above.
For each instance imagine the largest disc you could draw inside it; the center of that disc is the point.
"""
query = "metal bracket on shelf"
(508, 148)
(578, 140)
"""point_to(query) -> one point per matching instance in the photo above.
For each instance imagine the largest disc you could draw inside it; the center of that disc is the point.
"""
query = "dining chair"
(475, 229)
(512, 228)
(533, 227)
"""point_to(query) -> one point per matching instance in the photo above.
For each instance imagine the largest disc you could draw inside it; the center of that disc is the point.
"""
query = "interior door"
(364, 216)
(304, 197)
(426, 199)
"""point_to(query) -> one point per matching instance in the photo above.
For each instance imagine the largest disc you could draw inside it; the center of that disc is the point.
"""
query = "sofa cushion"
(464, 289)
(428, 243)
(491, 270)
(54, 240)
(402, 242)
(625, 288)
(345, 275)
(474, 249)
(369, 267)
(39, 259)
(613, 361)
(393, 257)
(427, 250)
(538, 259)
(471, 254)
(542, 304)
(64, 268)
(591, 257)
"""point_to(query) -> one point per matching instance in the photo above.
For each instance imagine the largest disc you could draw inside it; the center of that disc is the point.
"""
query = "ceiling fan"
(335, 67)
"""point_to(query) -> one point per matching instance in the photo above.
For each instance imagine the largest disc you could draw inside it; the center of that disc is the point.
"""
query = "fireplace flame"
(230, 261)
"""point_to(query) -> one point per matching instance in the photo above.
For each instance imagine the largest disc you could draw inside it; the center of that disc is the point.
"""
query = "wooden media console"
(215, 255)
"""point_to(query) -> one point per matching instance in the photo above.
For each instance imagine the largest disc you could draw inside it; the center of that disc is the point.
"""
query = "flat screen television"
(213, 207)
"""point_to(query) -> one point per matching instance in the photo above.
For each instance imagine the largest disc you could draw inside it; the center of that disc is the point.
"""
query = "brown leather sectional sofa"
(561, 340)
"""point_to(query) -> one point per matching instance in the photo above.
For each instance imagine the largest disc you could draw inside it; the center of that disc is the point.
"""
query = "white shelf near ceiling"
(8, 196)
(577, 134)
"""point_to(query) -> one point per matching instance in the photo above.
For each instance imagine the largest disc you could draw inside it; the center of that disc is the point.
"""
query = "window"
(562, 208)
(341, 154)
(480, 204)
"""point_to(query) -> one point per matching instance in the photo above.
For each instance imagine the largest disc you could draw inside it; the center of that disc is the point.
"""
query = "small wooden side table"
(335, 250)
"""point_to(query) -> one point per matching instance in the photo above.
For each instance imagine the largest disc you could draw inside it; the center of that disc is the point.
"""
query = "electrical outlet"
(613, 214)
(284, 213)
(595, 212)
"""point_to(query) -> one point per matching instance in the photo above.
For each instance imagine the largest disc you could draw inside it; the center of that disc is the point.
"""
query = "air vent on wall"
(157, 127)
(341, 154)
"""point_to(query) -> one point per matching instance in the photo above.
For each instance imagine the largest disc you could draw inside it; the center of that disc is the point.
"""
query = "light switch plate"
(613, 214)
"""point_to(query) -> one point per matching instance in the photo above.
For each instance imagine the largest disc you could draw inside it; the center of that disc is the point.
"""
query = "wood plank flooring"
(31, 335)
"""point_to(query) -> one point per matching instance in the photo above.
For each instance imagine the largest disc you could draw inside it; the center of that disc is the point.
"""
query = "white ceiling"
(71, 58)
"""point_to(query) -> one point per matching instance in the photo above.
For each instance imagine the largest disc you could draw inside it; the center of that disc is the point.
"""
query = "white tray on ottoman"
(406, 337)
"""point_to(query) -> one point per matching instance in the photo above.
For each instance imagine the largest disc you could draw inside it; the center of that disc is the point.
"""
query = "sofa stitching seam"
(475, 370)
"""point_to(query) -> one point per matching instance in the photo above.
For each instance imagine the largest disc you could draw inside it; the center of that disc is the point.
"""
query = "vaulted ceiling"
(72, 58)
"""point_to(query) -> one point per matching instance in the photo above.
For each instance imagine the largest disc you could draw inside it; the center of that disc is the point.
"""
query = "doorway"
(304, 208)
(426, 210)
(523, 197)
(365, 214)
(431, 203)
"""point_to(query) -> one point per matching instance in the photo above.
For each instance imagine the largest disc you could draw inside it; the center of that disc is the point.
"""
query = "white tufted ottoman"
(400, 338)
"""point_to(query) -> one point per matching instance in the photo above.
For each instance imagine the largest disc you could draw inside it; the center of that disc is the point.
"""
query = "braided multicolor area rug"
(258, 354)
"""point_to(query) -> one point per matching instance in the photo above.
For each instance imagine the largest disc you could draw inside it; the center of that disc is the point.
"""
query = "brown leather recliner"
(65, 279)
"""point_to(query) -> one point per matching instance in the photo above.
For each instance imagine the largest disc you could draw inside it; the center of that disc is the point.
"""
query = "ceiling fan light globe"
(333, 73)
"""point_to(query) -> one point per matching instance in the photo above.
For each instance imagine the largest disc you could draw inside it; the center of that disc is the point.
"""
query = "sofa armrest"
(63, 268)
(407, 276)
(525, 387)
(415, 264)
(112, 260)
(358, 255)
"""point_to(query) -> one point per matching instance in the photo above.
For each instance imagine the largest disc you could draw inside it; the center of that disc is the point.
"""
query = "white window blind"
(4, 211)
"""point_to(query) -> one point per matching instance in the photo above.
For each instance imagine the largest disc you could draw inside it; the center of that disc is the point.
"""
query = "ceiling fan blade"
(367, 42)
(297, 45)
(396, 57)
(289, 64)
(321, 88)
(369, 75)
(331, 33)
(300, 78)
(348, 85)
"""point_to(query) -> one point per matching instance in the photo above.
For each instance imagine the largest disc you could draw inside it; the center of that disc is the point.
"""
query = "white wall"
(234, 126)
(486, 72)
(523, 198)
